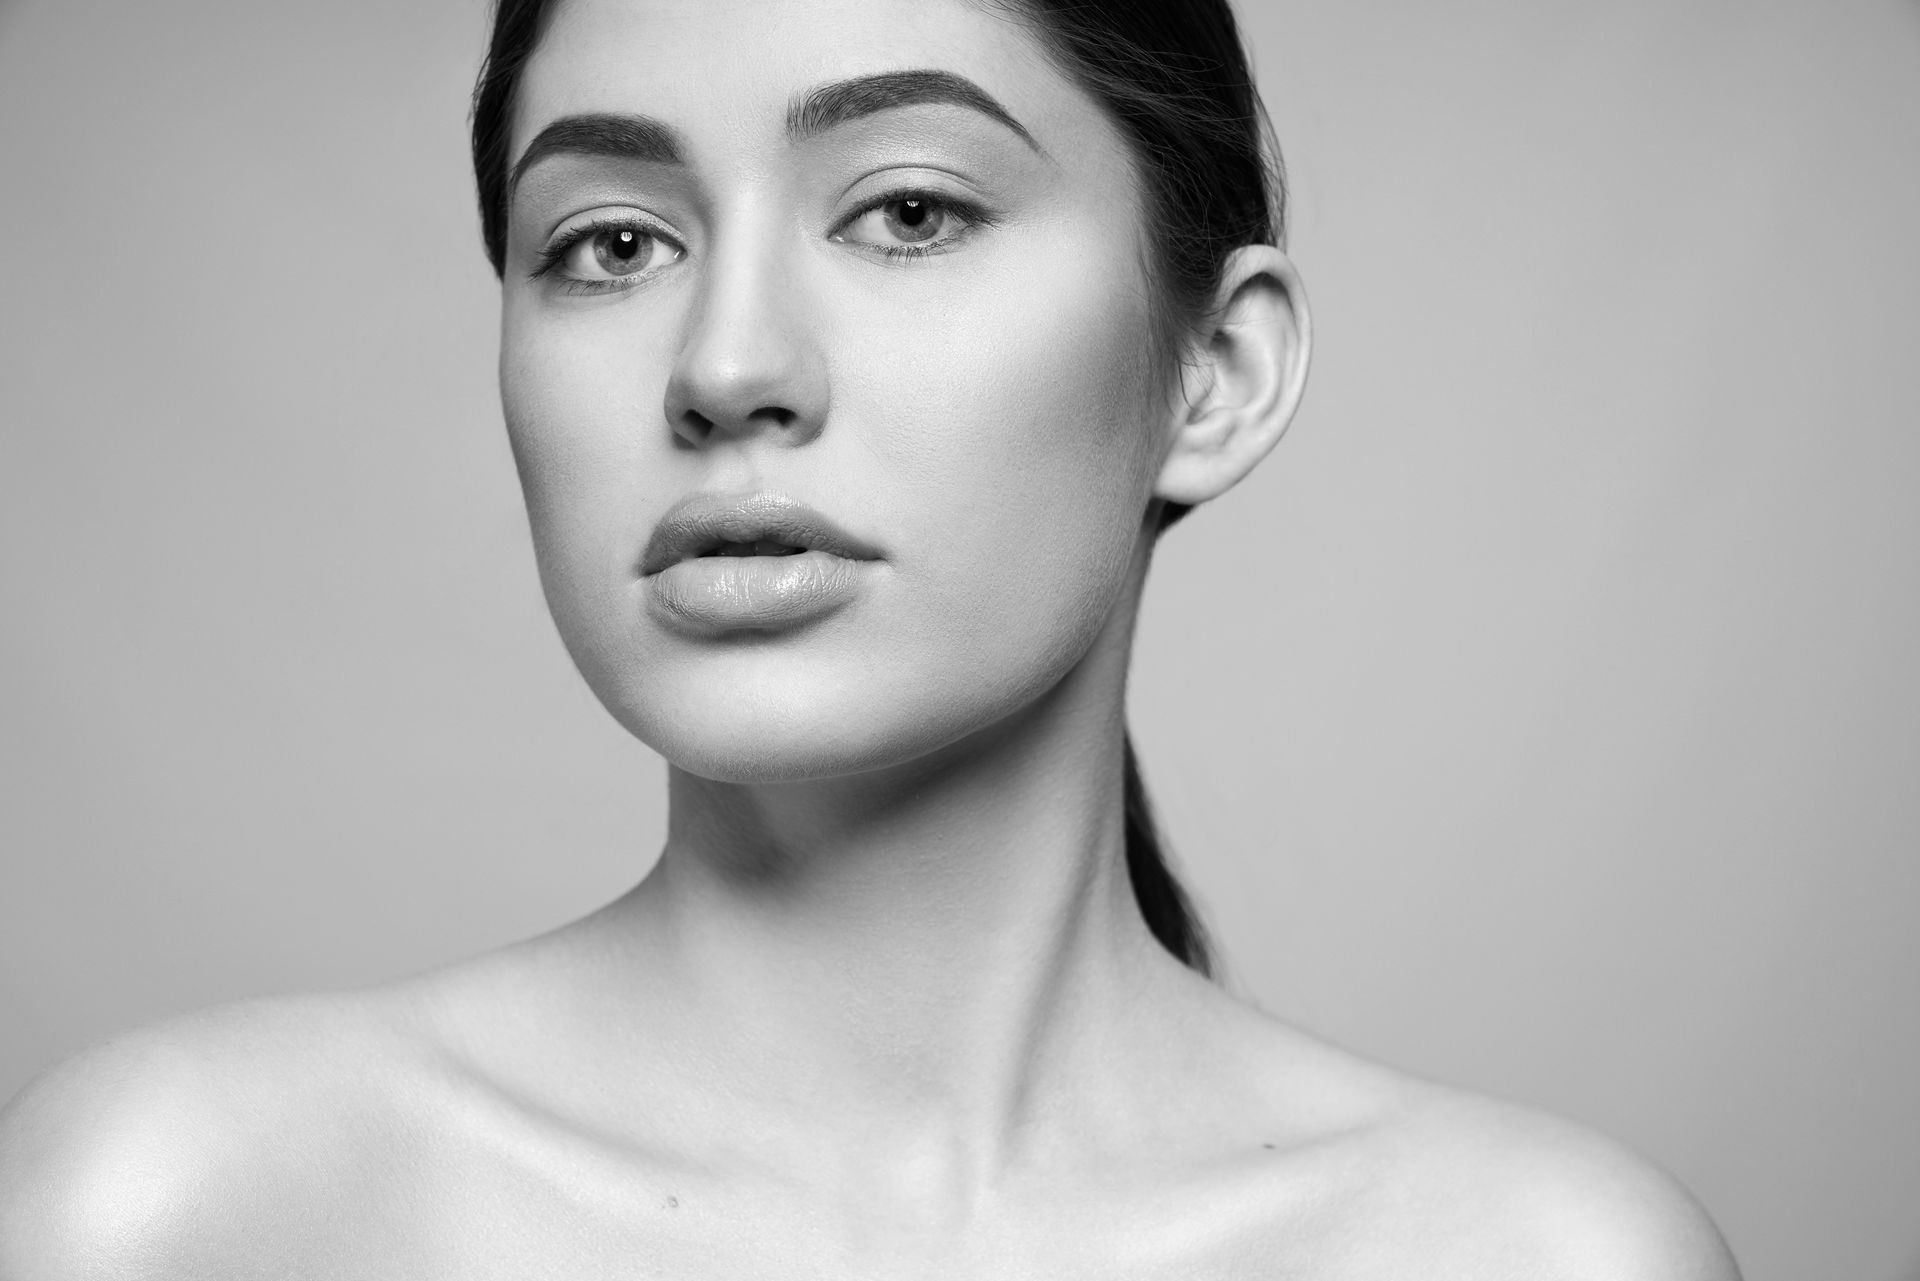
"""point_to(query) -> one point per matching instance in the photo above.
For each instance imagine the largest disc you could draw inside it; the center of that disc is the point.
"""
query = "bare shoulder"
(1415, 1180)
(1557, 1200)
(148, 1155)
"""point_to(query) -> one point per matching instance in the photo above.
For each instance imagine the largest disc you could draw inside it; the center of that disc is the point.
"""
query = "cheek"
(578, 418)
(578, 405)
(1020, 431)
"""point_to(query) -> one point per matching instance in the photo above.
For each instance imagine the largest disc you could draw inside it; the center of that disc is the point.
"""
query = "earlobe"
(1245, 377)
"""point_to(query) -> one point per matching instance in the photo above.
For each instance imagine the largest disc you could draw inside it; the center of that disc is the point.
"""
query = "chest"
(481, 1223)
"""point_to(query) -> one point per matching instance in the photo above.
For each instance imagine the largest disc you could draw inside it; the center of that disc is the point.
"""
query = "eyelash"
(973, 215)
(556, 253)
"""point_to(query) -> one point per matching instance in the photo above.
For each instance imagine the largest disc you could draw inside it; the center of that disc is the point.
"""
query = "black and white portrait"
(1041, 639)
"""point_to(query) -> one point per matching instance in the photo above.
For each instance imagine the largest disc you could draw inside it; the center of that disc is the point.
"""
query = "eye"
(609, 254)
(910, 223)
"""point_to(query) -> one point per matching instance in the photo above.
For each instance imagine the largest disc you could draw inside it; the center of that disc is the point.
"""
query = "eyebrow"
(843, 100)
(631, 137)
(621, 137)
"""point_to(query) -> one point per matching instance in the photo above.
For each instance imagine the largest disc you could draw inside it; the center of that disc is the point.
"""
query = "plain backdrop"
(1543, 717)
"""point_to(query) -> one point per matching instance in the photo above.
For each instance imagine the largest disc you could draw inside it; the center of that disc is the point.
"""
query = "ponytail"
(1169, 912)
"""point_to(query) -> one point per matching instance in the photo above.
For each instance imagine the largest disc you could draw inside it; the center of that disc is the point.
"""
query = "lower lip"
(753, 593)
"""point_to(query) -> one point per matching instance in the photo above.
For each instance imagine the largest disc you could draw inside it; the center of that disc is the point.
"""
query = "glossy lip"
(701, 522)
(692, 592)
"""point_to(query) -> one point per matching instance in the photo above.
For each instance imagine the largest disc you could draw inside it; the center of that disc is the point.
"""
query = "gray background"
(1542, 718)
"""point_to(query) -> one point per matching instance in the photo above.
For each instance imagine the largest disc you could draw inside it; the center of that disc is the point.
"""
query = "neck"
(930, 955)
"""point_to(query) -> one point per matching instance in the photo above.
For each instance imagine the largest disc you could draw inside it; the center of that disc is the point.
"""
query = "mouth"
(759, 547)
(707, 526)
(756, 565)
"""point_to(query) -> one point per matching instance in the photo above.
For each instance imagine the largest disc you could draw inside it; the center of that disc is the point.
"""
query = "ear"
(1242, 378)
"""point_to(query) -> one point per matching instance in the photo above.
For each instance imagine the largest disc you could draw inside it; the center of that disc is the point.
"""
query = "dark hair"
(1174, 77)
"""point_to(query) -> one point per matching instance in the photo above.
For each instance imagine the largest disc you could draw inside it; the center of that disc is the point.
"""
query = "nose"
(748, 365)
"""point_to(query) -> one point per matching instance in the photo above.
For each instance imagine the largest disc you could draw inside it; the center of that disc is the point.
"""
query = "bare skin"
(426, 1131)
(885, 1007)
(1028, 1087)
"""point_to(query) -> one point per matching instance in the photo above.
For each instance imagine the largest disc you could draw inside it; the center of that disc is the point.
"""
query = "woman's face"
(828, 384)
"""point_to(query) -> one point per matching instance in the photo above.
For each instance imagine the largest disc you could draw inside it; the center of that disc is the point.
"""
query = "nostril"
(694, 428)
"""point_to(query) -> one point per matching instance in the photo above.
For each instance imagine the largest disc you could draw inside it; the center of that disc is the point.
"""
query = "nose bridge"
(747, 362)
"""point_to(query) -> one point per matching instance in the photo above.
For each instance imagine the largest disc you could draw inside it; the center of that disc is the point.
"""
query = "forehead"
(726, 71)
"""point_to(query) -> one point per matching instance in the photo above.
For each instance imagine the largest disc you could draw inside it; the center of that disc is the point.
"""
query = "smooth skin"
(885, 1007)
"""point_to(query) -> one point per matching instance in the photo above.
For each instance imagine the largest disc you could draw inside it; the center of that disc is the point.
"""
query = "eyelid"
(895, 172)
(628, 215)
(970, 208)
(890, 182)
(576, 227)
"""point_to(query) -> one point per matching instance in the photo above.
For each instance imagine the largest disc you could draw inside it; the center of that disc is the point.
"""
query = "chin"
(858, 693)
(766, 718)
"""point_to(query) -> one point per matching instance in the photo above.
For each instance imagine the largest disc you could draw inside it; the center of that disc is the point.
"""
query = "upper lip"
(701, 523)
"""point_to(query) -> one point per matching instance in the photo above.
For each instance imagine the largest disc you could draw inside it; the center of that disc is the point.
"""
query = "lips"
(706, 525)
(758, 563)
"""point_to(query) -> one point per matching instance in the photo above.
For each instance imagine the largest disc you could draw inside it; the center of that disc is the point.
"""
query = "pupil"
(913, 212)
(625, 245)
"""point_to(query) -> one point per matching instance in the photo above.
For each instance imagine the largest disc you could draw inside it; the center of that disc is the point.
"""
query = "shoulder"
(1497, 1189)
(1387, 1175)
(139, 1157)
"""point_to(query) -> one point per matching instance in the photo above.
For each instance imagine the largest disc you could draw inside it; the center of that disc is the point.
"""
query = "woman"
(854, 354)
